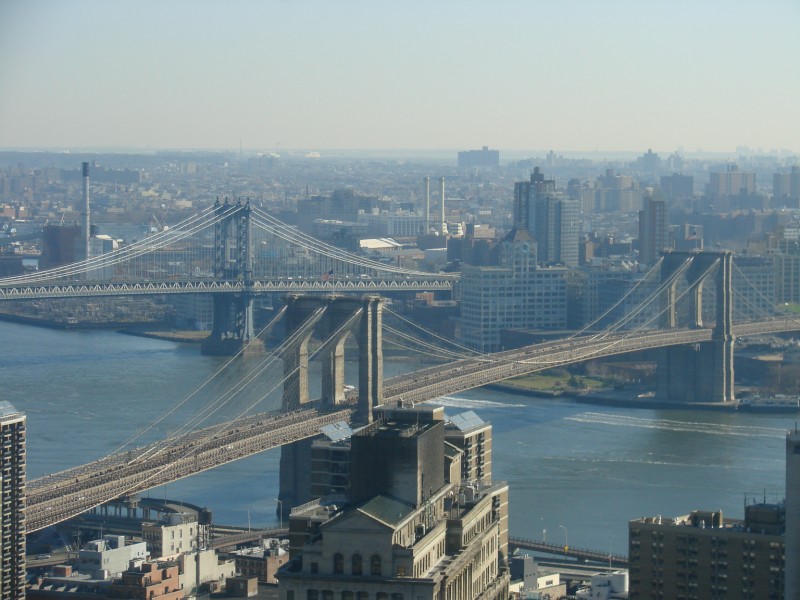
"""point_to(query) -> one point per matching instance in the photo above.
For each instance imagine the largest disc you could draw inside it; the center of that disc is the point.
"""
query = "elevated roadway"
(63, 495)
(93, 289)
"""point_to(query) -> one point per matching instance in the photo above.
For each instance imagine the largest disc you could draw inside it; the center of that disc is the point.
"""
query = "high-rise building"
(677, 186)
(792, 554)
(479, 159)
(415, 529)
(731, 182)
(513, 295)
(552, 219)
(786, 188)
(701, 555)
(12, 502)
(653, 230)
(617, 193)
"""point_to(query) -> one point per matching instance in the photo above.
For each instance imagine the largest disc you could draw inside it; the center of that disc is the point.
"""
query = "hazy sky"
(513, 75)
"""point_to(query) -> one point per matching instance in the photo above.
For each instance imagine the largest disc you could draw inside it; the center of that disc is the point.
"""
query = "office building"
(786, 189)
(109, 556)
(753, 281)
(513, 295)
(12, 502)
(176, 534)
(473, 437)
(617, 193)
(414, 531)
(552, 219)
(677, 186)
(653, 231)
(262, 561)
(792, 552)
(479, 159)
(731, 182)
(702, 556)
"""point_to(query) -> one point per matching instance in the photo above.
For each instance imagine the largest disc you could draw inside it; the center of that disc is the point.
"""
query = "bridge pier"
(341, 317)
(232, 330)
(703, 372)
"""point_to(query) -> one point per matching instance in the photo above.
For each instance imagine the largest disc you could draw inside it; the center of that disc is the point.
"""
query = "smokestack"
(87, 228)
(427, 205)
(442, 224)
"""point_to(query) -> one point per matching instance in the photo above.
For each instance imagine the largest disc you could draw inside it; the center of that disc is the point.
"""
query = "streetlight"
(280, 511)
(566, 539)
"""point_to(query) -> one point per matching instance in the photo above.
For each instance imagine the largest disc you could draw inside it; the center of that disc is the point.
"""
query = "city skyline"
(290, 75)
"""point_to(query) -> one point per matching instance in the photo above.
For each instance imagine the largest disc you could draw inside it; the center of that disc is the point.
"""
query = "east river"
(577, 472)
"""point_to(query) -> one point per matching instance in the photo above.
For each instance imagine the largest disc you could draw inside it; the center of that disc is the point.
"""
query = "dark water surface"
(587, 468)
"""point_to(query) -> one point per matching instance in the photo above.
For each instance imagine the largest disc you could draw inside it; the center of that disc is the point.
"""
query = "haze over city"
(571, 76)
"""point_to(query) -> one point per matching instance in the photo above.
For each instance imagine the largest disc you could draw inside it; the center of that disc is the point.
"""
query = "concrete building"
(617, 193)
(513, 295)
(479, 159)
(12, 502)
(178, 533)
(701, 555)
(414, 531)
(473, 437)
(394, 224)
(753, 281)
(786, 189)
(261, 562)
(653, 230)
(149, 581)
(109, 556)
(204, 568)
(605, 586)
(677, 187)
(731, 182)
(792, 553)
(552, 220)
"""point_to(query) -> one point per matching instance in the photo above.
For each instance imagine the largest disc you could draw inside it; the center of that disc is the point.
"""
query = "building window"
(375, 565)
(346, 595)
(357, 564)
(338, 564)
(314, 567)
(312, 595)
(362, 596)
(327, 594)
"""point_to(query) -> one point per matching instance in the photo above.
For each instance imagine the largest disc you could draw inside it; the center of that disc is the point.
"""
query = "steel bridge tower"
(342, 316)
(232, 328)
(703, 372)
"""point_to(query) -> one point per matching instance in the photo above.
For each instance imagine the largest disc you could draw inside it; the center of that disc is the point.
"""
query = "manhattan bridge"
(686, 306)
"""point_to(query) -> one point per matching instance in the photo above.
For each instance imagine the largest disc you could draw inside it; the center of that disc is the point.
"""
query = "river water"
(577, 472)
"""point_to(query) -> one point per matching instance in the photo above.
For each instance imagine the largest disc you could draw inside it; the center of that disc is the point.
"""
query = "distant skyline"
(579, 76)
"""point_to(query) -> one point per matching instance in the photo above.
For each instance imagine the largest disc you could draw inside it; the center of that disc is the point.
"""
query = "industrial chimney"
(442, 227)
(427, 205)
(87, 228)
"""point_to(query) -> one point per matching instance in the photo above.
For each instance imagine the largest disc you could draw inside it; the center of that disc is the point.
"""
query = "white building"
(110, 556)
(514, 295)
(606, 586)
(180, 533)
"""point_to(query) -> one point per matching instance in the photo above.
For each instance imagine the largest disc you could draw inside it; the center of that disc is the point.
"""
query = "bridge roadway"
(281, 285)
(60, 496)
(583, 554)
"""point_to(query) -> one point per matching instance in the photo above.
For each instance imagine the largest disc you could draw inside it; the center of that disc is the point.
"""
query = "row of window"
(356, 564)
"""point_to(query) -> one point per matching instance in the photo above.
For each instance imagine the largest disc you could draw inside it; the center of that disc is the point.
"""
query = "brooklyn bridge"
(333, 303)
